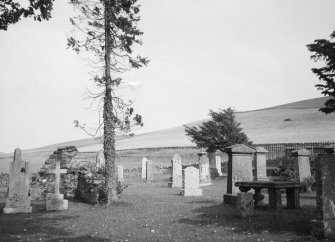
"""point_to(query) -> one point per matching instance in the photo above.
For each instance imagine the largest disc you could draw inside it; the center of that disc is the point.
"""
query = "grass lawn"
(154, 212)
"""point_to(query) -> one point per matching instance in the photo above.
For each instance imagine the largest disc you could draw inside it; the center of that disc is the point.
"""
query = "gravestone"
(18, 200)
(239, 169)
(218, 163)
(150, 171)
(260, 164)
(144, 168)
(204, 174)
(176, 176)
(302, 164)
(100, 159)
(120, 173)
(191, 182)
(212, 164)
(324, 225)
(56, 201)
(245, 204)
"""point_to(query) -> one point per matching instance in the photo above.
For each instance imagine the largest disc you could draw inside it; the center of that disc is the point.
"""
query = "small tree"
(11, 12)
(324, 50)
(219, 132)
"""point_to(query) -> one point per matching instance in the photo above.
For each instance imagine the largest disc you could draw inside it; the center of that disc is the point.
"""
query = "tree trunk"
(109, 119)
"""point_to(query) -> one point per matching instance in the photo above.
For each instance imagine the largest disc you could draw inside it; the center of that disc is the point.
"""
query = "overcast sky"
(204, 55)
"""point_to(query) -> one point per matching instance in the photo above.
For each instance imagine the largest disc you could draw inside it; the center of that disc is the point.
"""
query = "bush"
(285, 170)
(308, 184)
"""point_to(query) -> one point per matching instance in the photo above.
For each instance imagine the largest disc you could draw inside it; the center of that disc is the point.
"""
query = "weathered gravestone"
(204, 174)
(100, 159)
(218, 163)
(239, 169)
(191, 182)
(56, 201)
(120, 173)
(18, 200)
(212, 164)
(260, 164)
(245, 204)
(302, 164)
(144, 168)
(150, 171)
(176, 176)
(324, 224)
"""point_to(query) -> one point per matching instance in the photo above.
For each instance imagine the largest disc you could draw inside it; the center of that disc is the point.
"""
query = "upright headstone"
(176, 176)
(56, 201)
(191, 182)
(302, 164)
(18, 200)
(218, 162)
(100, 159)
(204, 175)
(212, 164)
(239, 169)
(324, 224)
(120, 173)
(150, 171)
(144, 168)
(260, 164)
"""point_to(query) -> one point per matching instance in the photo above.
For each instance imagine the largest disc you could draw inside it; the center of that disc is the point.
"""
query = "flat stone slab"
(267, 184)
(9, 210)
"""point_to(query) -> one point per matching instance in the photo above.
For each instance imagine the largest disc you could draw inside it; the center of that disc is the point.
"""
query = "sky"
(203, 55)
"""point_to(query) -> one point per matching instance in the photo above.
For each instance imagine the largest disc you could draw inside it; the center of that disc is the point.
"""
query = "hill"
(306, 124)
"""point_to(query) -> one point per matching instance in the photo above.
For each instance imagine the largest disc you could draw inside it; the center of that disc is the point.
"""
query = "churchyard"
(186, 202)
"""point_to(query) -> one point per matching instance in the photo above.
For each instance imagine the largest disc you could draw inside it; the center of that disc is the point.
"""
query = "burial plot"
(100, 159)
(239, 169)
(191, 182)
(144, 168)
(260, 164)
(324, 224)
(120, 173)
(18, 200)
(302, 164)
(56, 201)
(204, 175)
(176, 176)
(149, 171)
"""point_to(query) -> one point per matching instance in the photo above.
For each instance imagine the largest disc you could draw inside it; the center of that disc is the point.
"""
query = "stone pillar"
(239, 169)
(302, 164)
(218, 162)
(18, 188)
(191, 182)
(176, 172)
(324, 225)
(260, 164)
(204, 175)
(120, 173)
(144, 168)
(212, 164)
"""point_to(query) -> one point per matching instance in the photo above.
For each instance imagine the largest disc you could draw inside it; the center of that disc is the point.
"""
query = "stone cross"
(57, 171)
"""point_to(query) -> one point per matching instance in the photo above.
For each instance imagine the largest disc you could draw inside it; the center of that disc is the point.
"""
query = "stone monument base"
(191, 192)
(56, 203)
(9, 210)
(214, 172)
(323, 229)
(205, 183)
(230, 198)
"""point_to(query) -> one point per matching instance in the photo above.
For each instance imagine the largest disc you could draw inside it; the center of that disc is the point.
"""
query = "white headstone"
(204, 174)
(100, 159)
(144, 168)
(218, 164)
(191, 182)
(177, 176)
(18, 200)
(120, 173)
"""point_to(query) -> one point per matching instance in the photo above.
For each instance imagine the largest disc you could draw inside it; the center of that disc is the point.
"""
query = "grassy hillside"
(306, 124)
